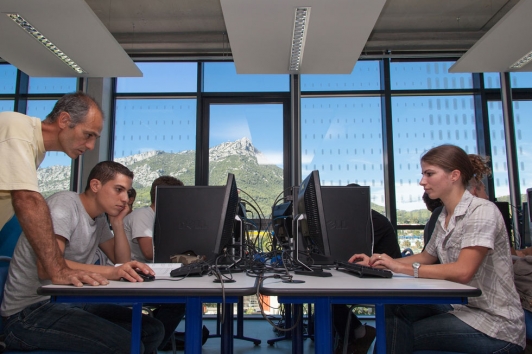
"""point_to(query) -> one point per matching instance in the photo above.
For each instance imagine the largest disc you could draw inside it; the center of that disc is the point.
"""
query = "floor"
(257, 329)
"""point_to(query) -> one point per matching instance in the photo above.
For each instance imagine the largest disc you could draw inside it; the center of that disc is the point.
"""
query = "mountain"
(256, 179)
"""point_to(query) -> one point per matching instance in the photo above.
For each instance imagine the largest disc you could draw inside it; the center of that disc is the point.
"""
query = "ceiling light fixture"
(299, 35)
(26, 26)
(522, 62)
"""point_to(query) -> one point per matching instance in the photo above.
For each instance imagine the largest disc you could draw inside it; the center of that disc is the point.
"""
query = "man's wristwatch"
(416, 266)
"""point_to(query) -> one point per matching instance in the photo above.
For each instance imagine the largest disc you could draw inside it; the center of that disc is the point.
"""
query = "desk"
(344, 288)
(193, 292)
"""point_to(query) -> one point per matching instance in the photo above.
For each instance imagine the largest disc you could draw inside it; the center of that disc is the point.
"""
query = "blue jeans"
(431, 327)
(90, 328)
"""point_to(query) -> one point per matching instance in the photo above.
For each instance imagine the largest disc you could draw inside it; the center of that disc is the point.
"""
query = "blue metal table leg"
(227, 329)
(380, 324)
(193, 324)
(323, 338)
(297, 333)
(136, 326)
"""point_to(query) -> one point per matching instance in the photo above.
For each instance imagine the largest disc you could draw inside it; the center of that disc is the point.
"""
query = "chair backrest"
(9, 236)
(4, 268)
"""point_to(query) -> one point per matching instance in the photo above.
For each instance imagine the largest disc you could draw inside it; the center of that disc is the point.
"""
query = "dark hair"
(480, 166)
(77, 105)
(163, 181)
(450, 158)
(106, 171)
(431, 203)
(132, 193)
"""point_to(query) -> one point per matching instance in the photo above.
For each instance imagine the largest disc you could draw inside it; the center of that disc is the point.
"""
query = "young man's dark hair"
(106, 171)
(163, 181)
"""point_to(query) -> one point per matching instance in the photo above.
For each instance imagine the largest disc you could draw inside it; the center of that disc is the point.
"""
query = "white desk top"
(343, 284)
(161, 286)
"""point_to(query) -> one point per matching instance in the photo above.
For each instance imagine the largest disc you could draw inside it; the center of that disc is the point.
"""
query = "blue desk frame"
(347, 289)
(192, 292)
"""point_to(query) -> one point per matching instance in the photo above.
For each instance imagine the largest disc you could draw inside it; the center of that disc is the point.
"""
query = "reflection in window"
(427, 76)
(222, 77)
(161, 77)
(492, 80)
(498, 149)
(247, 140)
(8, 79)
(54, 172)
(6, 105)
(52, 85)
(523, 127)
(420, 123)
(521, 80)
(365, 76)
(155, 137)
(341, 137)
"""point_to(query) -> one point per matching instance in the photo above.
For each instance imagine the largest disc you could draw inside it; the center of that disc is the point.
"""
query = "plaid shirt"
(478, 222)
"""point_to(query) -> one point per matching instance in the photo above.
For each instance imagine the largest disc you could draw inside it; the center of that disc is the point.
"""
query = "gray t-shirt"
(139, 224)
(71, 221)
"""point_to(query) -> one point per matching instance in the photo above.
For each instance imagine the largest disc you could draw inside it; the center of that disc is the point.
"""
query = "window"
(222, 77)
(8, 79)
(523, 131)
(365, 76)
(427, 76)
(52, 85)
(341, 137)
(161, 77)
(155, 137)
(420, 123)
(498, 149)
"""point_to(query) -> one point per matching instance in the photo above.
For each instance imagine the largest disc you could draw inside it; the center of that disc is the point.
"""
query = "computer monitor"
(194, 218)
(529, 199)
(314, 241)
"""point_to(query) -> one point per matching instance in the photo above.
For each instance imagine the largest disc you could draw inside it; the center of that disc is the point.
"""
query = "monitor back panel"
(186, 218)
(348, 217)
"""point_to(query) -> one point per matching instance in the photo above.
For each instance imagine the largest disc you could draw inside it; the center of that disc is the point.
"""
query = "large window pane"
(521, 80)
(365, 76)
(161, 77)
(523, 128)
(498, 150)
(52, 85)
(155, 137)
(247, 140)
(8, 78)
(341, 137)
(222, 77)
(427, 76)
(54, 172)
(420, 123)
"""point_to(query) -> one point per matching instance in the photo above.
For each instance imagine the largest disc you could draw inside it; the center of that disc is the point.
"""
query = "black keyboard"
(363, 271)
(192, 269)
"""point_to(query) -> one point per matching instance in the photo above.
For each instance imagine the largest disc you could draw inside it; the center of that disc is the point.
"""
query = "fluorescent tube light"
(299, 35)
(522, 62)
(26, 26)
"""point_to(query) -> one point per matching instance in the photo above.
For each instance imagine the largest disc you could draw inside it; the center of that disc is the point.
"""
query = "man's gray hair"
(77, 105)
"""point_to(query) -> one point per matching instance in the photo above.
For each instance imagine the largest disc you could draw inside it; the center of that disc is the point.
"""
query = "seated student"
(31, 321)
(362, 336)
(132, 195)
(471, 242)
(139, 231)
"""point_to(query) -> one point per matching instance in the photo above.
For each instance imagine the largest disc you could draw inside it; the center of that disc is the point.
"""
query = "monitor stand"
(313, 273)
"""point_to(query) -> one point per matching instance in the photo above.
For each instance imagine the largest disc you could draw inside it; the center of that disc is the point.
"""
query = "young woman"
(470, 240)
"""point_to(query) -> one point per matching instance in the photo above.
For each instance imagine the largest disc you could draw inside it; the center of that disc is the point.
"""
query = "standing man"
(73, 126)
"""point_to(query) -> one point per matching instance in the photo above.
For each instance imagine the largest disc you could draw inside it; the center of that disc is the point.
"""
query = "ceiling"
(197, 27)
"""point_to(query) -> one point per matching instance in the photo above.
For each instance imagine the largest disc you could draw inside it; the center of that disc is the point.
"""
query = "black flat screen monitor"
(194, 218)
(314, 239)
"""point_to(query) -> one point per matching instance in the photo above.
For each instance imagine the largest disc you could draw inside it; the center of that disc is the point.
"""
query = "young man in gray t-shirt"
(33, 322)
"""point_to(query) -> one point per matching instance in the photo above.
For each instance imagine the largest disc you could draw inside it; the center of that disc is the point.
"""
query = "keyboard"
(192, 269)
(363, 271)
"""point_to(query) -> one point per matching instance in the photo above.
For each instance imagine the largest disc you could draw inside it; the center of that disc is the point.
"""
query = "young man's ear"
(95, 185)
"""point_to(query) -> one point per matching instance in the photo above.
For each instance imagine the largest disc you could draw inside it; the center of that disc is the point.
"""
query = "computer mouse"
(145, 277)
